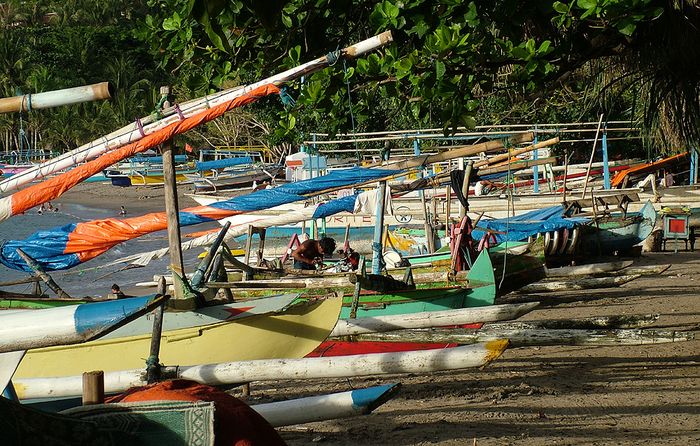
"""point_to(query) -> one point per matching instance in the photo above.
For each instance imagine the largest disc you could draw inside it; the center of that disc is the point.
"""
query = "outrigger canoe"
(291, 333)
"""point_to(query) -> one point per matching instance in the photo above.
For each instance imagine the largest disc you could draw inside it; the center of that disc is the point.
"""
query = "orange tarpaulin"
(620, 177)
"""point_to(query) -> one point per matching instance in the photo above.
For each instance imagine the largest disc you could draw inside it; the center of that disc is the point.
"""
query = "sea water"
(87, 279)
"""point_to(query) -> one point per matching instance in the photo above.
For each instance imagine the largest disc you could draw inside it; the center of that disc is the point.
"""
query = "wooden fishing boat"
(227, 181)
(291, 333)
(426, 361)
(464, 318)
(616, 234)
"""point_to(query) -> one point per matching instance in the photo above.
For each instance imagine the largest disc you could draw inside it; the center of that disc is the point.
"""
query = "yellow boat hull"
(293, 334)
(153, 180)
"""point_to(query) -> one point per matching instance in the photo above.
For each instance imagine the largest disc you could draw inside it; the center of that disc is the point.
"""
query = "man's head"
(115, 288)
(327, 245)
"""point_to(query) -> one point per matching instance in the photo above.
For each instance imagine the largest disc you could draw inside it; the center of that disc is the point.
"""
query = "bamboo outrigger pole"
(56, 98)
(149, 124)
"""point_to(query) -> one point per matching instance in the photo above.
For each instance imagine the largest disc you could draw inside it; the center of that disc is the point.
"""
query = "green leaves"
(386, 15)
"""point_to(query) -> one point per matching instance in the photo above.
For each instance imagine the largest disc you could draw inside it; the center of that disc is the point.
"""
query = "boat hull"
(290, 335)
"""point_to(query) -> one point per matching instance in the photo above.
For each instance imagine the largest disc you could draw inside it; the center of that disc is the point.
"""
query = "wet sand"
(567, 395)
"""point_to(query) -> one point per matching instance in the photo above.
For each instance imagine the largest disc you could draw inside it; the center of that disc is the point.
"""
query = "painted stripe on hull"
(326, 407)
(24, 329)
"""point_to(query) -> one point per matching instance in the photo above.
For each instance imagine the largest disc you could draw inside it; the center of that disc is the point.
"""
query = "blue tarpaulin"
(223, 163)
(522, 226)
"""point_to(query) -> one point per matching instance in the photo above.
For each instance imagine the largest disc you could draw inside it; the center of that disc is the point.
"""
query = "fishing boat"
(361, 224)
(188, 339)
(612, 234)
(238, 178)
(146, 170)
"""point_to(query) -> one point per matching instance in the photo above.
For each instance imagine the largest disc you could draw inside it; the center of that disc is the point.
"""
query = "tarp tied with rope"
(522, 226)
(67, 246)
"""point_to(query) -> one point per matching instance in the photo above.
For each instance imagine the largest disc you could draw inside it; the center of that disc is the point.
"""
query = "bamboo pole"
(39, 272)
(56, 98)
(590, 161)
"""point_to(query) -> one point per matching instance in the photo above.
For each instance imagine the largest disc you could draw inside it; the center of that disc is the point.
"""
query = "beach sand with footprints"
(564, 395)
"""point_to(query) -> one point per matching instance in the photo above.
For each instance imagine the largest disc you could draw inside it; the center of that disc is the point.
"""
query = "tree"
(450, 59)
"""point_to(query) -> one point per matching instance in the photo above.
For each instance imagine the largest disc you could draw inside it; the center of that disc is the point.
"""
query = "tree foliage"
(50, 45)
(450, 58)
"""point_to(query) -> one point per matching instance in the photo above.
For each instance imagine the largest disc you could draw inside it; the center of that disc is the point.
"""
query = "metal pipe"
(56, 98)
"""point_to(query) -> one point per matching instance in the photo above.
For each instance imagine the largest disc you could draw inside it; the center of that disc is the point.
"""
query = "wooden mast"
(172, 209)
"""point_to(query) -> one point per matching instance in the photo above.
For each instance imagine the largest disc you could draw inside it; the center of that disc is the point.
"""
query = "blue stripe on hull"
(98, 315)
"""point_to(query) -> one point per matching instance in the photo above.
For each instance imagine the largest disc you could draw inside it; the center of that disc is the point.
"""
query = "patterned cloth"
(155, 423)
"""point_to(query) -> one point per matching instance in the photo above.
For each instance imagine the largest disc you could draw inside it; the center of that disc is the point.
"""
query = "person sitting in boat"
(482, 187)
(116, 292)
(309, 255)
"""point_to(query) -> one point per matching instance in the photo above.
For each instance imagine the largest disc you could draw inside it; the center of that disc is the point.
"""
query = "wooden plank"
(579, 284)
(534, 337)
(585, 270)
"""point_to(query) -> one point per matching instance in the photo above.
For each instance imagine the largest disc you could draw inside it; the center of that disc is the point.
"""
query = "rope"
(139, 126)
(179, 112)
(333, 57)
(287, 99)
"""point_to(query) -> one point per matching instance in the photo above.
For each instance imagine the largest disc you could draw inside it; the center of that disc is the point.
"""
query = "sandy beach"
(136, 199)
(565, 395)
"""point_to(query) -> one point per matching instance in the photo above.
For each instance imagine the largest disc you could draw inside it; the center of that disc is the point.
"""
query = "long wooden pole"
(590, 161)
(511, 153)
(457, 152)
(172, 208)
(39, 272)
(153, 361)
(465, 188)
